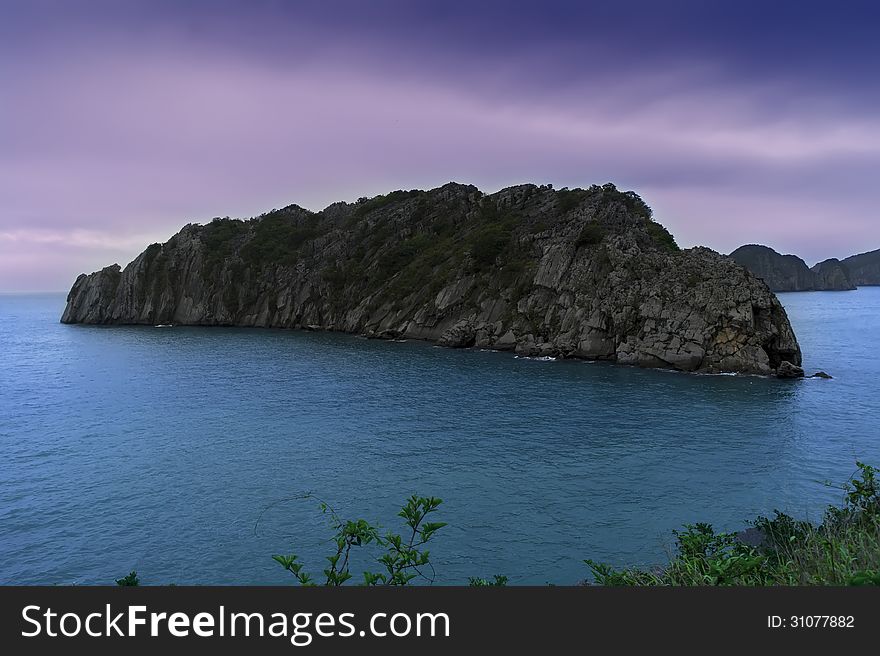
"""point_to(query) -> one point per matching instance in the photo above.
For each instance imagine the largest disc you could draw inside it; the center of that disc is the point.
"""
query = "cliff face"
(789, 273)
(864, 268)
(832, 275)
(569, 273)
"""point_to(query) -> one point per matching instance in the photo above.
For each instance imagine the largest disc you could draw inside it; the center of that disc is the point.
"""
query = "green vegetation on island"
(568, 273)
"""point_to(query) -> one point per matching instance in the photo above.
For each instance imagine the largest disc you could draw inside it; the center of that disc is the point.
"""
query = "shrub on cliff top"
(277, 238)
(661, 236)
(568, 199)
(367, 205)
(608, 193)
(220, 236)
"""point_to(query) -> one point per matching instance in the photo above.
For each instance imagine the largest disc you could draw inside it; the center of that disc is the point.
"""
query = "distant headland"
(573, 273)
(789, 273)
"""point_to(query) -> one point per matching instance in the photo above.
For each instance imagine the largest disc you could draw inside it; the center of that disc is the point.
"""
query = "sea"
(193, 455)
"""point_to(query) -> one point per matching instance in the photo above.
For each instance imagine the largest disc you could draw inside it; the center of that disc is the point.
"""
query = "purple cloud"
(120, 122)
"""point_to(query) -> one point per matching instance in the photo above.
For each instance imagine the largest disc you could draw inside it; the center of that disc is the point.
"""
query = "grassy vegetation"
(498, 581)
(662, 237)
(129, 580)
(430, 256)
(844, 549)
(400, 255)
(607, 197)
(591, 234)
(367, 205)
(493, 236)
(431, 269)
(487, 243)
(608, 194)
(220, 238)
(484, 240)
(274, 238)
(277, 238)
(403, 254)
(568, 199)
(221, 233)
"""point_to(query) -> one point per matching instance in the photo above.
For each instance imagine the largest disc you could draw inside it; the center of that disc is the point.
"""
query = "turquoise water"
(158, 449)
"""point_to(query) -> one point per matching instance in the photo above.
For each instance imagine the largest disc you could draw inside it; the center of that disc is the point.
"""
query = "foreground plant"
(498, 581)
(403, 560)
(844, 549)
(129, 580)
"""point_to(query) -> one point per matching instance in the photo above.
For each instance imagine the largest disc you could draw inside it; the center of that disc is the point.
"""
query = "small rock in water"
(788, 370)
(821, 374)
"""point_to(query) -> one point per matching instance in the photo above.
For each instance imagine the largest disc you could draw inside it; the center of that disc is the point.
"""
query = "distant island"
(789, 273)
(864, 269)
(571, 273)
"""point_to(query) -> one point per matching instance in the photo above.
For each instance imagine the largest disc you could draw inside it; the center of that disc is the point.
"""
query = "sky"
(738, 122)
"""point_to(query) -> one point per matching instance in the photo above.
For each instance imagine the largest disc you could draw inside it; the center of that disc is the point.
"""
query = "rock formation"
(789, 273)
(582, 273)
(832, 275)
(864, 269)
(788, 370)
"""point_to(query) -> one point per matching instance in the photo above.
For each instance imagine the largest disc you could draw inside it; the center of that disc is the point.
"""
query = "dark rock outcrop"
(789, 273)
(788, 370)
(832, 275)
(864, 269)
(580, 273)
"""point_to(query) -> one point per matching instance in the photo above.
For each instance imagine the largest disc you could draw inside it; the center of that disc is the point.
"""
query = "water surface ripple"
(157, 449)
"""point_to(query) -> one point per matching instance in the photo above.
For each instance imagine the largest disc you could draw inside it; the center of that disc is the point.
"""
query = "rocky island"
(789, 273)
(864, 268)
(582, 273)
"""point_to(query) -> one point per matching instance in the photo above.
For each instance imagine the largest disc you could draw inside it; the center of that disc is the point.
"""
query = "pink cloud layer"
(99, 155)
